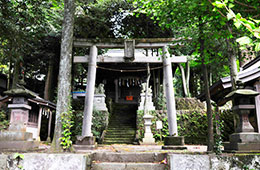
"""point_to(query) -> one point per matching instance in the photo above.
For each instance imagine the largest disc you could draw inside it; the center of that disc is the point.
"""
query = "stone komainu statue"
(100, 89)
(144, 88)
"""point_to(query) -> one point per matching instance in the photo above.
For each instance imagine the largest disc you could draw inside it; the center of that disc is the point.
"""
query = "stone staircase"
(122, 125)
(128, 161)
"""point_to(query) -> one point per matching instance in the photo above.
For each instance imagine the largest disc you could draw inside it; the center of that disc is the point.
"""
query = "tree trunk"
(232, 60)
(64, 83)
(232, 65)
(209, 109)
(210, 141)
(16, 74)
(48, 81)
(183, 77)
(9, 75)
(188, 78)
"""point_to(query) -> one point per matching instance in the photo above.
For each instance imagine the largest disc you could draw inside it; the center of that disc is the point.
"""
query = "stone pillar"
(116, 90)
(49, 127)
(88, 108)
(171, 108)
(257, 104)
(39, 124)
(171, 141)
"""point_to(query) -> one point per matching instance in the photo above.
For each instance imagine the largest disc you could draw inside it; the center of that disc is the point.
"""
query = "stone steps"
(121, 128)
(118, 135)
(128, 161)
(118, 142)
(122, 125)
(127, 166)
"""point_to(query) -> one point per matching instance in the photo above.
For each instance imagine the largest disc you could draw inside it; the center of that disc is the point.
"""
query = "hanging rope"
(123, 71)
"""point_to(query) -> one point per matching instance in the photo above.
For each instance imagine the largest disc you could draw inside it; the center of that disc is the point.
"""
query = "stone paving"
(145, 148)
(138, 148)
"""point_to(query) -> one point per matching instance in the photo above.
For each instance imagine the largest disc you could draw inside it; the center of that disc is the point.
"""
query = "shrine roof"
(222, 87)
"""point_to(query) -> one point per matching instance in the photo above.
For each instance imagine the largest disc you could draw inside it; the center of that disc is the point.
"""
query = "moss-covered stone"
(189, 104)
(20, 92)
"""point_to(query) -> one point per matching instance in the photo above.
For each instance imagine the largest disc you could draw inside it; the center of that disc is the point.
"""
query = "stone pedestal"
(99, 102)
(85, 143)
(148, 136)
(16, 137)
(174, 143)
(245, 139)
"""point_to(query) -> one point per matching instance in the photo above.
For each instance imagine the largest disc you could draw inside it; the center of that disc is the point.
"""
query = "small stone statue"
(144, 88)
(100, 89)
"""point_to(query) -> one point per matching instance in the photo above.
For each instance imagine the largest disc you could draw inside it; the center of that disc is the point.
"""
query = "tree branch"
(217, 9)
(246, 5)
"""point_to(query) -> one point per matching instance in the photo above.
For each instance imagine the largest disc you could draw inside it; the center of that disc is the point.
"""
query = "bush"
(191, 124)
(4, 122)
(99, 120)
(228, 123)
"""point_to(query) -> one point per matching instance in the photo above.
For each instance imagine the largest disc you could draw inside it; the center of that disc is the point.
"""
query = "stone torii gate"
(129, 56)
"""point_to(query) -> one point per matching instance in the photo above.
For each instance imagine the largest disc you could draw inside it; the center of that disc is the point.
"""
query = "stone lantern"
(17, 137)
(244, 138)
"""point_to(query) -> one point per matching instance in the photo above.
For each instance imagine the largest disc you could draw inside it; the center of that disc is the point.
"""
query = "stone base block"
(174, 140)
(18, 145)
(82, 148)
(245, 147)
(86, 140)
(15, 136)
(245, 137)
(172, 147)
(148, 141)
(128, 165)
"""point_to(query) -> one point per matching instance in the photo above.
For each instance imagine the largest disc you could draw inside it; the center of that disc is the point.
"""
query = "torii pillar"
(87, 137)
(172, 141)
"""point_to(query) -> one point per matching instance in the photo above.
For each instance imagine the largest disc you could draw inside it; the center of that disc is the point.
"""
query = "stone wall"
(68, 161)
(43, 161)
(213, 162)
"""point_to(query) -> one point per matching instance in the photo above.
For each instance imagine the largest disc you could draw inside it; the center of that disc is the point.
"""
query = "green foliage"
(249, 24)
(99, 120)
(192, 125)
(113, 19)
(227, 119)
(19, 157)
(67, 124)
(160, 100)
(218, 136)
(3, 120)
